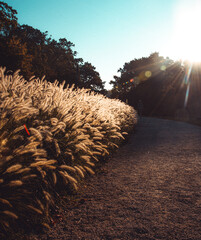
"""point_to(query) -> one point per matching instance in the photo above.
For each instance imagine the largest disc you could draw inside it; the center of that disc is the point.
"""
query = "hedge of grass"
(51, 138)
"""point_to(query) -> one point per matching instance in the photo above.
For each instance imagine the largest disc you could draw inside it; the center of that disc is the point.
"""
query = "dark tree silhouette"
(8, 19)
(160, 84)
(35, 53)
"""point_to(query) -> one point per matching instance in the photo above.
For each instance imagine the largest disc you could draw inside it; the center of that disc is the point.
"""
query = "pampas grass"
(70, 130)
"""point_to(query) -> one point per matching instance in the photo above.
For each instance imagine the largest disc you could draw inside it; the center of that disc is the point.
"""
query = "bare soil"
(149, 189)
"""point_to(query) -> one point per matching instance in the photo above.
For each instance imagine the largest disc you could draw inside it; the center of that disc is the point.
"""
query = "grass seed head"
(54, 177)
(10, 214)
(80, 172)
(6, 202)
(89, 170)
(13, 168)
(15, 183)
(34, 209)
(68, 168)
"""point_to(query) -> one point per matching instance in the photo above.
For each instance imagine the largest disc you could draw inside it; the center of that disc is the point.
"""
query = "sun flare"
(186, 38)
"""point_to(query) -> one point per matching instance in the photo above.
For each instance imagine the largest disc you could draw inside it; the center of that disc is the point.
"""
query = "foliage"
(89, 78)
(68, 130)
(138, 71)
(8, 19)
(35, 53)
(166, 88)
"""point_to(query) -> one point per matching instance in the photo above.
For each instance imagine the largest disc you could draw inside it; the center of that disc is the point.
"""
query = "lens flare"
(163, 68)
(187, 94)
(187, 82)
(148, 74)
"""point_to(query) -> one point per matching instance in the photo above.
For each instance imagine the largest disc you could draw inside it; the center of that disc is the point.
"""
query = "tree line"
(167, 88)
(35, 53)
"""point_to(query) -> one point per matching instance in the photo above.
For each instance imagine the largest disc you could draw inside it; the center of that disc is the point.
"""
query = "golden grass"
(70, 131)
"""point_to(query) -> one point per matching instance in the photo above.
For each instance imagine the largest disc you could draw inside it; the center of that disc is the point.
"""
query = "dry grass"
(70, 129)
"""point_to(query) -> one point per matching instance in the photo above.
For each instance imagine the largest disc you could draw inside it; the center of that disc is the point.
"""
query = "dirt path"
(149, 189)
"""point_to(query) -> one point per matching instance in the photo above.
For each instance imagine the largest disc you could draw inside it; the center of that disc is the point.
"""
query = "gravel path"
(150, 189)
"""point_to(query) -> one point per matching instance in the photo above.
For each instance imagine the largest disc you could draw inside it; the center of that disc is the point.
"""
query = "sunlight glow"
(186, 38)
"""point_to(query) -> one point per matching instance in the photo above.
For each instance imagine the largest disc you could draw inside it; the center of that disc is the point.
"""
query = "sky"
(106, 33)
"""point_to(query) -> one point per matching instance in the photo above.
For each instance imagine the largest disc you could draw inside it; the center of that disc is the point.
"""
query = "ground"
(149, 189)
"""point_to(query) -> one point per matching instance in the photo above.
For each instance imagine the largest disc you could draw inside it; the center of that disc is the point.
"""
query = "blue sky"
(106, 33)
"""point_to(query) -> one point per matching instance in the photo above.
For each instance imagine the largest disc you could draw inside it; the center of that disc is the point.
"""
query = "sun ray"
(187, 82)
(176, 78)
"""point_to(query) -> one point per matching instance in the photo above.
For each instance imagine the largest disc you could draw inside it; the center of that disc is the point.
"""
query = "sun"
(186, 37)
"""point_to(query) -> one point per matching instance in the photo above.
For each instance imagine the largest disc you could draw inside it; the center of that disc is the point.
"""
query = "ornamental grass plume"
(70, 130)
